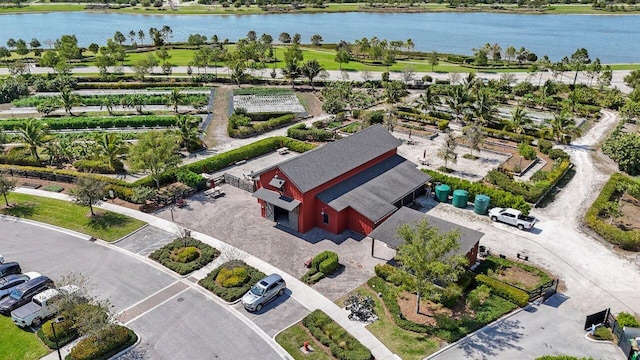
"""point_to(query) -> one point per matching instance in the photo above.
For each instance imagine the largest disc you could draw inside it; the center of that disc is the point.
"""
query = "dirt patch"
(217, 130)
(518, 277)
(311, 103)
(428, 309)
(630, 209)
(43, 183)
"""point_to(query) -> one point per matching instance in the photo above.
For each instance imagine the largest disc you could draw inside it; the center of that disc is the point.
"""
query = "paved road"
(174, 319)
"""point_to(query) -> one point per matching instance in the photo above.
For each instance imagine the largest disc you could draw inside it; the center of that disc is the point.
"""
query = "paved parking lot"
(277, 315)
(146, 240)
(552, 328)
(174, 319)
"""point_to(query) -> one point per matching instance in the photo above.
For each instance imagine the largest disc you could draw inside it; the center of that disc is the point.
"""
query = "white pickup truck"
(512, 217)
(40, 307)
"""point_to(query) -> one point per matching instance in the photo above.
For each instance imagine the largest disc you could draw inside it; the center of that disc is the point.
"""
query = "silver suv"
(264, 291)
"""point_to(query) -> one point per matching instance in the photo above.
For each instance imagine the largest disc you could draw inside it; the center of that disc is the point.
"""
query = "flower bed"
(230, 281)
(170, 256)
(110, 341)
(342, 344)
(267, 100)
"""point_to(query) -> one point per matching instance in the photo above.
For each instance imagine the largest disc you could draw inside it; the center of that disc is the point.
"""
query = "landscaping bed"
(518, 274)
(231, 280)
(343, 346)
(185, 255)
(110, 341)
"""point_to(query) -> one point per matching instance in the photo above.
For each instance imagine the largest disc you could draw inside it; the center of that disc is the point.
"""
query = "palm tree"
(35, 133)
(108, 103)
(520, 118)
(188, 131)
(175, 99)
(111, 148)
(69, 99)
(428, 100)
(562, 128)
(311, 69)
(458, 100)
(484, 108)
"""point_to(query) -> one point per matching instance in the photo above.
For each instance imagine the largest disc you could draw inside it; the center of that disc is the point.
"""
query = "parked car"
(23, 293)
(9, 282)
(41, 307)
(264, 291)
(9, 268)
(512, 217)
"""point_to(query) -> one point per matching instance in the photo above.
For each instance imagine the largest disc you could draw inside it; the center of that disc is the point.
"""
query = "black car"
(9, 268)
(23, 293)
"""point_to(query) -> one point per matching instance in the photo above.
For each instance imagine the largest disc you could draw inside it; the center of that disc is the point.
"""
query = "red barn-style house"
(353, 183)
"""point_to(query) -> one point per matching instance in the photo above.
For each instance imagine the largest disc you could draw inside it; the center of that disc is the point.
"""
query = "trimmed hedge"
(263, 91)
(322, 265)
(260, 127)
(499, 198)
(628, 240)
(207, 255)
(231, 294)
(342, 344)
(302, 132)
(79, 122)
(190, 179)
(97, 100)
(93, 166)
(64, 331)
(504, 290)
(110, 341)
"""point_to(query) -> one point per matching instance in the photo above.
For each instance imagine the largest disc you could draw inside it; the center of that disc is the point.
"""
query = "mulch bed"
(428, 309)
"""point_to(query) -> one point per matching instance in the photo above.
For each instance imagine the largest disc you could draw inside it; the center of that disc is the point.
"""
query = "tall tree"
(562, 128)
(68, 99)
(141, 36)
(88, 192)
(578, 61)
(426, 256)
(111, 148)
(187, 128)
(284, 38)
(311, 69)
(34, 133)
(474, 137)
(428, 100)
(342, 57)
(316, 40)
(519, 120)
(458, 100)
(6, 186)
(155, 152)
(292, 58)
(119, 37)
(175, 99)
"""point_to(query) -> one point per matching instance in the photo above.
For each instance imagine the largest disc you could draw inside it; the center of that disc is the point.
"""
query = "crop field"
(268, 102)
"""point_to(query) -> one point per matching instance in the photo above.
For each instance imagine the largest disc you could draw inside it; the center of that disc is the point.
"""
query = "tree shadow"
(108, 220)
(490, 341)
(24, 210)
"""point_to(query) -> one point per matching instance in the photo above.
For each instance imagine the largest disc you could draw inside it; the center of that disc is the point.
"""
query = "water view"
(611, 38)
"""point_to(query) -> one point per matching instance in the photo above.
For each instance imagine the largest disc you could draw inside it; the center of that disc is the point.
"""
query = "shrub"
(625, 319)
(322, 265)
(427, 78)
(504, 290)
(301, 132)
(232, 277)
(184, 255)
(527, 151)
(93, 166)
(603, 333)
(315, 262)
(163, 255)
(239, 127)
(558, 154)
(342, 345)
(329, 265)
(231, 294)
(190, 178)
(64, 331)
(443, 124)
(478, 296)
(107, 343)
(81, 122)
(545, 146)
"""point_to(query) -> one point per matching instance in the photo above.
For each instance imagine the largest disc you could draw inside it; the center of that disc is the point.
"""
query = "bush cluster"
(527, 151)
(304, 133)
(231, 294)
(322, 265)
(190, 179)
(499, 198)
(65, 333)
(504, 290)
(93, 166)
(493, 263)
(603, 333)
(163, 255)
(109, 342)
(545, 146)
(626, 319)
(98, 100)
(342, 345)
(629, 239)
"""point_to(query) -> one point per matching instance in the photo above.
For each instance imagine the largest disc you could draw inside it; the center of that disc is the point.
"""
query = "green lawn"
(108, 227)
(19, 344)
(408, 345)
(292, 339)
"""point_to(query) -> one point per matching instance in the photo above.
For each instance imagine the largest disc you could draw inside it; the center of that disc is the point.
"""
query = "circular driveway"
(174, 318)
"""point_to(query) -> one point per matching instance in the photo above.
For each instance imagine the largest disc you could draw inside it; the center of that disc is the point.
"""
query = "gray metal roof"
(373, 191)
(387, 232)
(276, 199)
(318, 166)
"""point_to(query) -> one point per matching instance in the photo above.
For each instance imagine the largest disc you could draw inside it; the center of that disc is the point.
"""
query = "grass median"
(18, 343)
(107, 225)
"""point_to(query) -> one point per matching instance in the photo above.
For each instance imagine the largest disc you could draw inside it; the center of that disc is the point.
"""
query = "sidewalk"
(304, 294)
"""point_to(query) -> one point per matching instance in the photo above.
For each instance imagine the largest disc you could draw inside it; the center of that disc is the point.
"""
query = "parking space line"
(143, 306)
(157, 305)
(141, 251)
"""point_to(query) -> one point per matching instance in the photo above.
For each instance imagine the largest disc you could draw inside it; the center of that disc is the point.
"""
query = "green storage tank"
(481, 205)
(442, 192)
(460, 198)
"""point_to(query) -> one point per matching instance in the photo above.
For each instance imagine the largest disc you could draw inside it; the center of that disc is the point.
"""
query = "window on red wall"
(325, 218)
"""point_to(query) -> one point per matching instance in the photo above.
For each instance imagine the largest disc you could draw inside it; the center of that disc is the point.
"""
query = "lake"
(614, 39)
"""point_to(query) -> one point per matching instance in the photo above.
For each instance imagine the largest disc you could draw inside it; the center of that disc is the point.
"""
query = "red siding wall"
(311, 208)
(472, 255)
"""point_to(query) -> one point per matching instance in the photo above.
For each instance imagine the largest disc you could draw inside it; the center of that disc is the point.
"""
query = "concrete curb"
(130, 347)
(48, 226)
(131, 233)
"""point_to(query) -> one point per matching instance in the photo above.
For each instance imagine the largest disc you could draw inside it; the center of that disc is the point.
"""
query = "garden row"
(242, 125)
(100, 100)
(81, 122)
